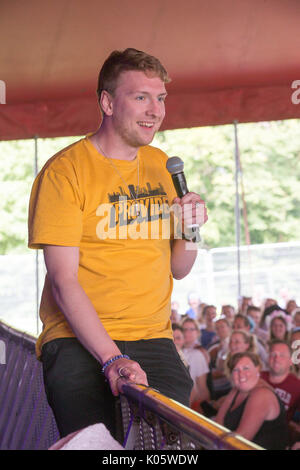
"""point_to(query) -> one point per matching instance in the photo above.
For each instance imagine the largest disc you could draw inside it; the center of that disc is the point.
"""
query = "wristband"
(113, 359)
(192, 239)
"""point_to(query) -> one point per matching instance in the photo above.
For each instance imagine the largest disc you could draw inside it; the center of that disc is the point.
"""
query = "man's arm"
(184, 252)
(62, 269)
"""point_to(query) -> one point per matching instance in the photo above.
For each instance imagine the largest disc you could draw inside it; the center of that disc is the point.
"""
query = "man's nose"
(154, 108)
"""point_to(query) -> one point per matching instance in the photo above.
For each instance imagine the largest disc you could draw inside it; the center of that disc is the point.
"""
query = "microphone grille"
(174, 165)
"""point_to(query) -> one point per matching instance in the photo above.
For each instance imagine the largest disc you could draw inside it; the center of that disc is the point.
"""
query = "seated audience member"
(295, 345)
(290, 306)
(199, 318)
(208, 334)
(239, 341)
(219, 351)
(241, 322)
(264, 324)
(229, 312)
(279, 328)
(194, 302)
(255, 314)
(243, 304)
(178, 338)
(296, 318)
(220, 346)
(268, 303)
(191, 333)
(197, 362)
(252, 408)
(192, 337)
(285, 383)
(175, 316)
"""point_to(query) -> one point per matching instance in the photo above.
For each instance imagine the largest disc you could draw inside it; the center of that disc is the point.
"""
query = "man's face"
(190, 332)
(210, 314)
(222, 329)
(178, 338)
(239, 324)
(137, 107)
(279, 359)
(228, 312)
(255, 315)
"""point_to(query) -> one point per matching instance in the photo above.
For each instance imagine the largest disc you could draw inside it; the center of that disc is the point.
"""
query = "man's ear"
(106, 103)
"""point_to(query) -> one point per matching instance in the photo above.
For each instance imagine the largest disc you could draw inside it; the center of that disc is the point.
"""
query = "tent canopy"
(229, 60)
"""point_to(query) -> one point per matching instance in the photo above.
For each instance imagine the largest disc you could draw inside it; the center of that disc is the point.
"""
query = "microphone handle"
(180, 184)
(181, 188)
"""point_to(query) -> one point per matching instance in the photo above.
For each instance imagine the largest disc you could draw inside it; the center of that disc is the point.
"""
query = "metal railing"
(149, 419)
(153, 421)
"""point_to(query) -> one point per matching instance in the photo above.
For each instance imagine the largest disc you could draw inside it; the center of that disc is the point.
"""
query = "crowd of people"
(244, 364)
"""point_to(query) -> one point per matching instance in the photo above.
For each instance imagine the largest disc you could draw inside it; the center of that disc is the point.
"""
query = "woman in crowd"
(197, 362)
(279, 328)
(251, 408)
(241, 322)
(239, 341)
(290, 306)
(178, 338)
(265, 321)
(296, 318)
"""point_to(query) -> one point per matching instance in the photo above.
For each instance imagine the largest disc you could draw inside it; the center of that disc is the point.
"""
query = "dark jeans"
(77, 390)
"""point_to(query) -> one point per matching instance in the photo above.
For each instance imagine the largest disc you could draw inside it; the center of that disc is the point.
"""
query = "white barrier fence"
(271, 270)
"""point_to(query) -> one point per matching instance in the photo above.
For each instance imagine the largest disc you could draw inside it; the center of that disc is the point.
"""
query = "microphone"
(175, 168)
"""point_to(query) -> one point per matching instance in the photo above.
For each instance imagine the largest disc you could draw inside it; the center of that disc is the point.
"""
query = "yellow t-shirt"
(80, 199)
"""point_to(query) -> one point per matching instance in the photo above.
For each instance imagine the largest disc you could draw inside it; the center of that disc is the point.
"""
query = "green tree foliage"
(17, 171)
(270, 160)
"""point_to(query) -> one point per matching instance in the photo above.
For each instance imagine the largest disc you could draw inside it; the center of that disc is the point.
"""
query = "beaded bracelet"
(113, 359)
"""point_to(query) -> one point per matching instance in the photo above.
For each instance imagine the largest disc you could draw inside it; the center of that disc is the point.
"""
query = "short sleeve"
(55, 215)
(201, 366)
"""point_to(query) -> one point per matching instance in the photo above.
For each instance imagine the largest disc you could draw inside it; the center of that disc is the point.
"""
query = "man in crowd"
(285, 383)
(194, 302)
(255, 314)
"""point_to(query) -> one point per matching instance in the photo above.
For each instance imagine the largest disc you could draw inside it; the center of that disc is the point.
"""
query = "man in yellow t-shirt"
(101, 210)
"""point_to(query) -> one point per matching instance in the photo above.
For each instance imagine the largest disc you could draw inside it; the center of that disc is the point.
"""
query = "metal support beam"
(237, 208)
(37, 283)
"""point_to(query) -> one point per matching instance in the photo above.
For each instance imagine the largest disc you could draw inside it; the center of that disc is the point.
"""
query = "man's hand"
(127, 369)
(194, 212)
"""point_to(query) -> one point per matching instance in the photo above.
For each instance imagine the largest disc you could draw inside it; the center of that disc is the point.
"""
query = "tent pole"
(237, 208)
(37, 287)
